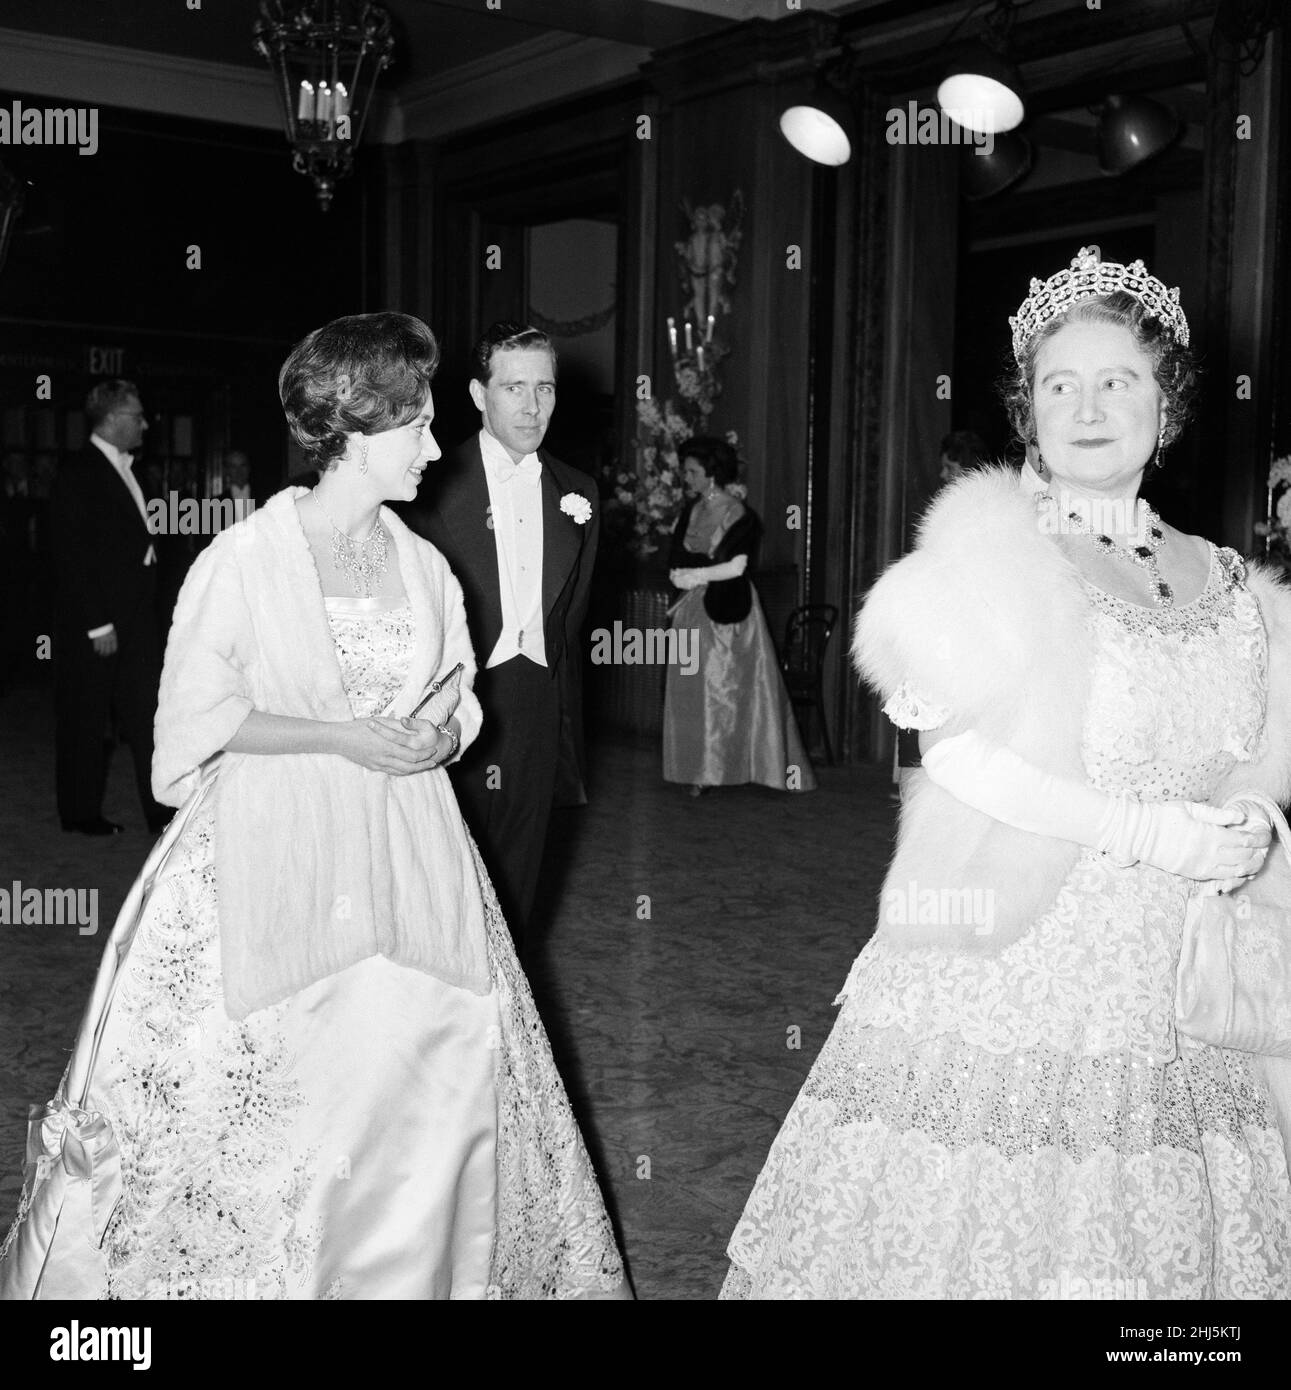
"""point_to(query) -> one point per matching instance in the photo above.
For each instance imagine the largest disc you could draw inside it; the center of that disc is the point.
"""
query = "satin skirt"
(730, 721)
(379, 1134)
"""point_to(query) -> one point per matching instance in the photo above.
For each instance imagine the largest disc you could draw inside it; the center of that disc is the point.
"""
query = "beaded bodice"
(1177, 695)
(374, 642)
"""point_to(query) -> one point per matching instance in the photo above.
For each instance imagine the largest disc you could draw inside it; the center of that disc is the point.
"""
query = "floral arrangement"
(1276, 528)
(645, 500)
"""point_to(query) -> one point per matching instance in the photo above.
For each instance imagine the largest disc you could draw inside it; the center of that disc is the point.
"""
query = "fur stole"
(987, 621)
(319, 863)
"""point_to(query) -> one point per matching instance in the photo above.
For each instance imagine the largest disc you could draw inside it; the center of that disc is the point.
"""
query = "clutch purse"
(72, 1176)
(1234, 981)
(441, 697)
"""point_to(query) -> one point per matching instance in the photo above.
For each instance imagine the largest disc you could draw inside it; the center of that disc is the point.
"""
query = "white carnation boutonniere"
(575, 505)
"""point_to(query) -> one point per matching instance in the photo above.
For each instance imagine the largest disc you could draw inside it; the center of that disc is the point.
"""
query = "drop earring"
(1160, 446)
(363, 457)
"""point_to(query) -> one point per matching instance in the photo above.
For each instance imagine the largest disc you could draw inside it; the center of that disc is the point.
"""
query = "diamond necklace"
(1144, 555)
(363, 562)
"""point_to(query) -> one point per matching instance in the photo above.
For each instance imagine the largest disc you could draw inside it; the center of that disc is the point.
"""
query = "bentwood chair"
(806, 636)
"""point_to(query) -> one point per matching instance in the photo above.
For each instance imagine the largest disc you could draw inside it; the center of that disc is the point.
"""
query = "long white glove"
(1183, 837)
(709, 574)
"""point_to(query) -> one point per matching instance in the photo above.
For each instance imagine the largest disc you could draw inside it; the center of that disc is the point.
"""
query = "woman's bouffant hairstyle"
(1173, 365)
(715, 456)
(362, 374)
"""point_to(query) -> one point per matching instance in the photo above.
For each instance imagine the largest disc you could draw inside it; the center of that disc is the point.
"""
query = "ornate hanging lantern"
(326, 56)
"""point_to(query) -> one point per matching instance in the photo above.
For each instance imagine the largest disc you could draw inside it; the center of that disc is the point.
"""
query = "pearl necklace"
(363, 562)
(1144, 555)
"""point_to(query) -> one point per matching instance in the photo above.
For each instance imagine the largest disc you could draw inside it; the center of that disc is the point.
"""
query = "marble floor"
(685, 962)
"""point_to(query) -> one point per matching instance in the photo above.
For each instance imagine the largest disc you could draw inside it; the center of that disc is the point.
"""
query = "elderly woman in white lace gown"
(1004, 1108)
(322, 1066)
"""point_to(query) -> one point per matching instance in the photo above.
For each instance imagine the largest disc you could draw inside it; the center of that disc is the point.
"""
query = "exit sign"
(107, 361)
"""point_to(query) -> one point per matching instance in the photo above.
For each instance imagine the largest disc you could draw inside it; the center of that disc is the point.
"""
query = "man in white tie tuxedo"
(519, 529)
(106, 648)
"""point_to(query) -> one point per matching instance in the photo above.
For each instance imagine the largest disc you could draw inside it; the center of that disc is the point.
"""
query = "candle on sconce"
(323, 105)
(672, 338)
(708, 337)
(699, 357)
(305, 107)
(690, 343)
(340, 102)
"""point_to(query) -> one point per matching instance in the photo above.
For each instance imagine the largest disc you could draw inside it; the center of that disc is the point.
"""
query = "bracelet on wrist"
(456, 739)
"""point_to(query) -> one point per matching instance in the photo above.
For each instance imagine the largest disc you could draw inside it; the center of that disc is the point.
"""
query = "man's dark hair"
(107, 396)
(502, 337)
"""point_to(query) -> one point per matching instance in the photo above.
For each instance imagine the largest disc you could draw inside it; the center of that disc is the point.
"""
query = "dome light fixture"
(819, 127)
(984, 175)
(1133, 129)
(982, 90)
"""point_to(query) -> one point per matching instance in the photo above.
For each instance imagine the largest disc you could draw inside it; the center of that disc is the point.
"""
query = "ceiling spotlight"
(818, 127)
(984, 175)
(1133, 129)
(983, 91)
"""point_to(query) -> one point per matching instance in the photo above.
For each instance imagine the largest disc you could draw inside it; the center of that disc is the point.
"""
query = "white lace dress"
(381, 1134)
(1031, 1125)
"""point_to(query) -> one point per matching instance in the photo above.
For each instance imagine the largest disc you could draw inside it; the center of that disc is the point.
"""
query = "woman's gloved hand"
(1208, 843)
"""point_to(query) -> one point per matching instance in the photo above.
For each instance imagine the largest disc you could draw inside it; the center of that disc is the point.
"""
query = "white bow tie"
(529, 469)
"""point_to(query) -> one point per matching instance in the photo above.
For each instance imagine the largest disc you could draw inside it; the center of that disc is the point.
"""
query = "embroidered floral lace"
(1029, 1125)
(206, 1111)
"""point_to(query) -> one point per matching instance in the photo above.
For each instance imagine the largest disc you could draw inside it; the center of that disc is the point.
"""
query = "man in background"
(106, 649)
(237, 480)
(519, 529)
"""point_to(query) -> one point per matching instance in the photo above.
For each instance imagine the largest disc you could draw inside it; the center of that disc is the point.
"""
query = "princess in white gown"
(322, 1066)
(1004, 1107)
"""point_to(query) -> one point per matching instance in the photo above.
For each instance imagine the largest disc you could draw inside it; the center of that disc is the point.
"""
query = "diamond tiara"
(1087, 278)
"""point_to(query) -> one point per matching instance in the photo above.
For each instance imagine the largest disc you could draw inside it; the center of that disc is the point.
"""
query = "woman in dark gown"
(727, 715)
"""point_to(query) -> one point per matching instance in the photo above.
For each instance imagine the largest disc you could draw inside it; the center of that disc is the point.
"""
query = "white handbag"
(1234, 980)
(72, 1177)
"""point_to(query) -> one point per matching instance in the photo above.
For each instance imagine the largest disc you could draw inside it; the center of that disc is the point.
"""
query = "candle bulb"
(323, 106)
(690, 345)
(672, 338)
(709, 336)
(305, 109)
(341, 101)
(699, 356)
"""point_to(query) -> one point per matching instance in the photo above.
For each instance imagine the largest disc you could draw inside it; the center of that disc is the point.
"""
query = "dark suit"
(529, 755)
(99, 545)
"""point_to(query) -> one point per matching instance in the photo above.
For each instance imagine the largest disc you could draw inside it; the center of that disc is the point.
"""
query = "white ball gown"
(378, 1134)
(1030, 1124)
